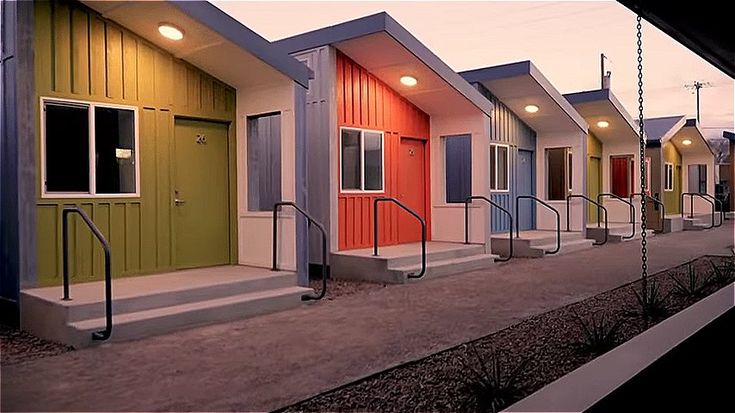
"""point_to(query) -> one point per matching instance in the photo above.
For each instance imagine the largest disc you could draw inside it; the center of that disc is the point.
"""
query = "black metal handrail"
(691, 206)
(599, 206)
(410, 211)
(107, 332)
(467, 202)
(625, 201)
(722, 209)
(558, 220)
(309, 220)
(655, 201)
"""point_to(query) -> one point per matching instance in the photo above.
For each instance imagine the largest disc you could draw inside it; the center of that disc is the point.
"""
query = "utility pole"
(695, 87)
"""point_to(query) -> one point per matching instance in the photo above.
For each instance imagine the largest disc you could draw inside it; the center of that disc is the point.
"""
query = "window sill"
(52, 196)
(266, 214)
(456, 206)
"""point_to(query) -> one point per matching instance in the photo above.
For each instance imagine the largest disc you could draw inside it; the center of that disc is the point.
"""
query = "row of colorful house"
(177, 129)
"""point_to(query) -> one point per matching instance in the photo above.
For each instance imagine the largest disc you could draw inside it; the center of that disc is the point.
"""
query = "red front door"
(411, 188)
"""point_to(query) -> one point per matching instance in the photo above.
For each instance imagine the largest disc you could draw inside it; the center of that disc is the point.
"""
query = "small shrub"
(490, 387)
(599, 334)
(692, 286)
(722, 274)
(651, 302)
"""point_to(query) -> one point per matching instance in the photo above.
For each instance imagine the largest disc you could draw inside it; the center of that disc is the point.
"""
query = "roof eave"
(245, 38)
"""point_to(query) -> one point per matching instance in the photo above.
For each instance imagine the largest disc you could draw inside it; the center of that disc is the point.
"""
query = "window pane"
(264, 161)
(373, 143)
(115, 150)
(493, 166)
(67, 148)
(502, 168)
(351, 162)
(556, 174)
(458, 165)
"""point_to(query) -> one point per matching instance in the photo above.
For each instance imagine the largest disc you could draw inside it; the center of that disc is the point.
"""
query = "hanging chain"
(642, 142)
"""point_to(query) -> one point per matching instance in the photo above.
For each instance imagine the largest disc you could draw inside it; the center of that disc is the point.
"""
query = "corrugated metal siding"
(366, 102)
(80, 55)
(509, 129)
(319, 99)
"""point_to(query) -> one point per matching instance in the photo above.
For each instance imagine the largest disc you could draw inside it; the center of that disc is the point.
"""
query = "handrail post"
(310, 221)
(631, 208)
(276, 207)
(415, 215)
(65, 251)
(492, 204)
(568, 198)
(375, 227)
(467, 219)
(599, 206)
(107, 332)
(549, 207)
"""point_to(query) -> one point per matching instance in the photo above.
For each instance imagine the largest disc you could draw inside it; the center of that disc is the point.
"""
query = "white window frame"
(668, 183)
(362, 162)
(92, 193)
(494, 185)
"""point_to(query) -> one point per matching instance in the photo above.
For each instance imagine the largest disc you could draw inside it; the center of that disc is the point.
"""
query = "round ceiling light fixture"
(531, 108)
(170, 31)
(603, 124)
(687, 142)
(409, 81)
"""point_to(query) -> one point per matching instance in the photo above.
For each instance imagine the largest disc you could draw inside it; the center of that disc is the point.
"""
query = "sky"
(563, 39)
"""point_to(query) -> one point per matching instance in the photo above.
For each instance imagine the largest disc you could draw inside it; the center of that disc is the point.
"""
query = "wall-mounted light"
(531, 108)
(603, 124)
(409, 81)
(170, 31)
(686, 142)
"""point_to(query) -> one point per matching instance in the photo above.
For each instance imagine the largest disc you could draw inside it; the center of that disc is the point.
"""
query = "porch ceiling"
(520, 84)
(222, 46)
(388, 60)
(621, 127)
(698, 147)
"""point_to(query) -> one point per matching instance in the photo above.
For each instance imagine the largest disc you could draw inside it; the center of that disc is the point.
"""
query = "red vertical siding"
(364, 101)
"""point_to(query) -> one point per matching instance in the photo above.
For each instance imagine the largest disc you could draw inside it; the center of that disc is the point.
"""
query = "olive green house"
(176, 129)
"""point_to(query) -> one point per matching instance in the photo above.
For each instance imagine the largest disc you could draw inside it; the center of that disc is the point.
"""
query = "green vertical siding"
(80, 55)
(672, 198)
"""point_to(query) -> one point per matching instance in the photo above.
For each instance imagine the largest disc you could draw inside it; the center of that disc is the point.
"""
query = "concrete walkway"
(269, 361)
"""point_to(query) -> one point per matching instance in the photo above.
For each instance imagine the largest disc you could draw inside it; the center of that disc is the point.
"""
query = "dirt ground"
(274, 360)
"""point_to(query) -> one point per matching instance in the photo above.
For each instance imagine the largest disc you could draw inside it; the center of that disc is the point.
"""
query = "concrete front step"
(616, 234)
(395, 262)
(536, 244)
(158, 304)
(443, 267)
(164, 320)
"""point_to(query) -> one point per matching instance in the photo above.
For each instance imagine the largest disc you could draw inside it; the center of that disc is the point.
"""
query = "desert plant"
(692, 286)
(722, 274)
(651, 301)
(599, 333)
(491, 386)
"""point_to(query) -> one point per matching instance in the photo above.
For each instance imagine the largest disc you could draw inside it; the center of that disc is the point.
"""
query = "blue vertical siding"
(509, 129)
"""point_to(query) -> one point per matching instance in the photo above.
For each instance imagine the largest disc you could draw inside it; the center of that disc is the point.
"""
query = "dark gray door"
(527, 210)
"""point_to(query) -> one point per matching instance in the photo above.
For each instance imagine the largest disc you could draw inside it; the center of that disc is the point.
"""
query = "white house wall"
(545, 219)
(447, 220)
(255, 227)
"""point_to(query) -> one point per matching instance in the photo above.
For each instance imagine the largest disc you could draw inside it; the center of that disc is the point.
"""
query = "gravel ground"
(341, 288)
(18, 346)
(548, 344)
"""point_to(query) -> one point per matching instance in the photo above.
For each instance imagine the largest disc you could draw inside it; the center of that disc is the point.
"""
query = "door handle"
(178, 201)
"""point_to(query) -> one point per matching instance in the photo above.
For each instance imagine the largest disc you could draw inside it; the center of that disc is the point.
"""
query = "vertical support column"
(17, 156)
